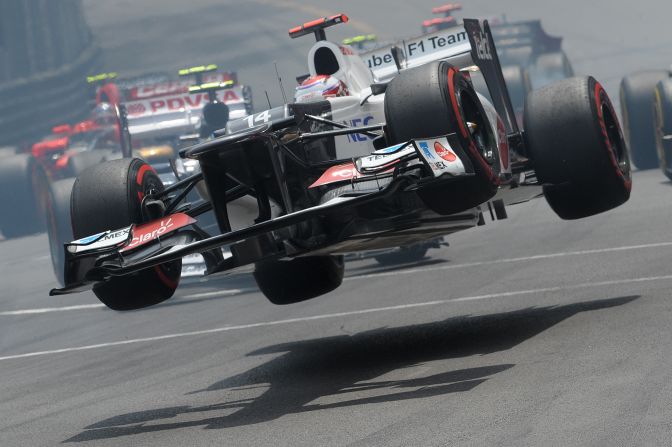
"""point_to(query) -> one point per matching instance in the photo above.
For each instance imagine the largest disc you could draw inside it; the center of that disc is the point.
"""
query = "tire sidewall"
(663, 125)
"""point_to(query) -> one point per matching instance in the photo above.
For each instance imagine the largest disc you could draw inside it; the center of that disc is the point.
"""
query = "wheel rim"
(482, 136)
(614, 138)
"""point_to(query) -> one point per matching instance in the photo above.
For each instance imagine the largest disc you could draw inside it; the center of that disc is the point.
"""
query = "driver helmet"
(319, 87)
(104, 115)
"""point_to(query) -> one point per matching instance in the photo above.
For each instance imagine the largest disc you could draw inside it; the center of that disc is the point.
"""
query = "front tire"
(21, 215)
(578, 149)
(434, 100)
(59, 225)
(637, 92)
(549, 68)
(108, 197)
(299, 279)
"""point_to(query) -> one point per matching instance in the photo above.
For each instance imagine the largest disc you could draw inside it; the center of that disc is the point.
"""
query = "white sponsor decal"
(483, 47)
(440, 157)
(380, 160)
(420, 50)
(101, 240)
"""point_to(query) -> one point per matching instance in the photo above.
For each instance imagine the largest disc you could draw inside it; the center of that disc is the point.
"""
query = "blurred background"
(47, 48)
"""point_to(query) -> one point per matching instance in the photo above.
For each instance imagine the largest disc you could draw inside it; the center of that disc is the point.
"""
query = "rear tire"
(663, 125)
(433, 100)
(518, 85)
(549, 68)
(586, 170)
(21, 213)
(637, 92)
(82, 161)
(108, 197)
(59, 225)
(299, 279)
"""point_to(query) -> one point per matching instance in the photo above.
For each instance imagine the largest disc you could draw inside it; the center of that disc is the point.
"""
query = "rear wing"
(525, 34)
(484, 55)
(179, 114)
(175, 87)
(101, 77)
(462, 46)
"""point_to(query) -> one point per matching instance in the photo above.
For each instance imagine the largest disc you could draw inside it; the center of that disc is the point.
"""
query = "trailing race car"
(424, 155)
(445, 19)
(362, 42)
(530, 58)
(646, 108)
(116, 136)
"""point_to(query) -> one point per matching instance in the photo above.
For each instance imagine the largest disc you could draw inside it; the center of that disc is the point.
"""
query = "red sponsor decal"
(175, 87)
(181, 102)
(136, 109)
(444, 152)
(150, 231)
(340, 173)
(346, 51)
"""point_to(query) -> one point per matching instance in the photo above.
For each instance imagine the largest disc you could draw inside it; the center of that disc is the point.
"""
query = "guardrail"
(30, 107)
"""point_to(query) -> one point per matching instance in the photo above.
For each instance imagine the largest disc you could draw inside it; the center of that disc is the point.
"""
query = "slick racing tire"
(662, 111)
(433, 100)
(577, 146)
(521, 56)
(636, 95)
(21, 212)
(59, 225)
(404, 255)
(550, 67)
(299, 279)
(108, 197)
(518, 84)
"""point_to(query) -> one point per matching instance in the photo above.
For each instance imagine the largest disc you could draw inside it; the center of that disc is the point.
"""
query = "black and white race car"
(646, 108)
(424, 155)
(530, 57)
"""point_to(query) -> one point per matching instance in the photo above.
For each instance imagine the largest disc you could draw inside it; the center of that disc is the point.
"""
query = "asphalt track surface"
(528, 331)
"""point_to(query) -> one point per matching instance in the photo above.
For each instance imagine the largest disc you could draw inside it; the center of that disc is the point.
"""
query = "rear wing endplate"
(484, 55)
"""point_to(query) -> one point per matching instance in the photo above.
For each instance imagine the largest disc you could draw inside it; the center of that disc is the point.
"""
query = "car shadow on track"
(343, 370)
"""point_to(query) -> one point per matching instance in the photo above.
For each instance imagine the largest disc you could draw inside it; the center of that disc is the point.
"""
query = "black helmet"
(216, 115)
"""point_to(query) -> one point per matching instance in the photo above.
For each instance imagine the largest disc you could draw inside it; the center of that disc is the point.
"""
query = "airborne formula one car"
(431, 155)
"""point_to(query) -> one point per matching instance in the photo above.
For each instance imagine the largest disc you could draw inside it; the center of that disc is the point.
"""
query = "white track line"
(45, 310)
(215, 293)
(509, 260)
(372, 275)
(340, 314)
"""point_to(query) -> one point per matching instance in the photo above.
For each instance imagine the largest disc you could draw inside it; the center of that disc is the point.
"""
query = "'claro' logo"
(150, 231)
